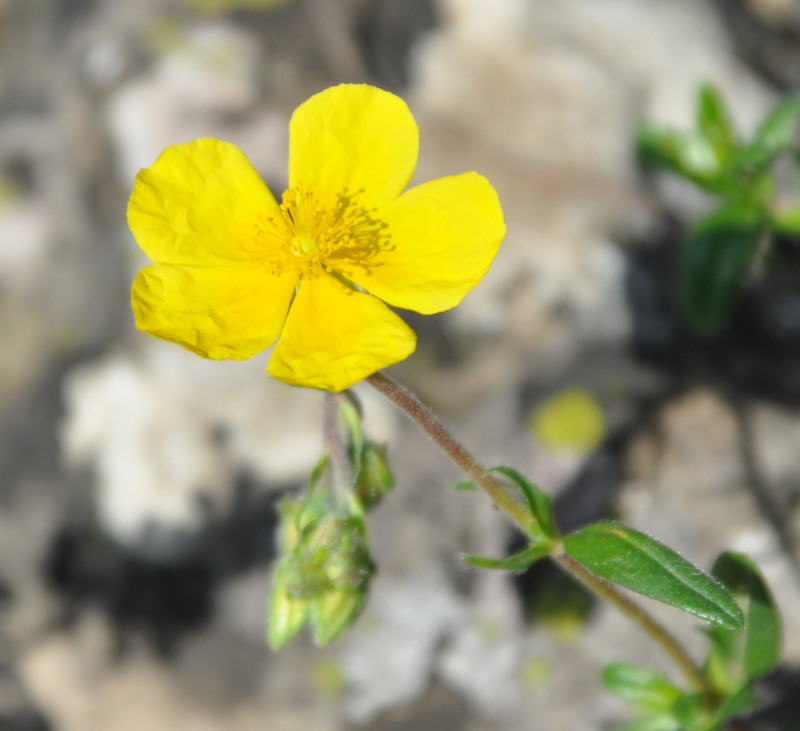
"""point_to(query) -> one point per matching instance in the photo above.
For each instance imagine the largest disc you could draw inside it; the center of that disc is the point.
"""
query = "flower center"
(310, 238)
(304, 245)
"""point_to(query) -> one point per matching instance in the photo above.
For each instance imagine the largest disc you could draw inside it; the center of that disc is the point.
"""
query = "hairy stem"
(507, 502)
(637, 614)
(500, 494)
(333, 442)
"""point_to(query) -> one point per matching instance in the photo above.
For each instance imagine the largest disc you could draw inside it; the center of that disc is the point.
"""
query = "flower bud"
(375, 478)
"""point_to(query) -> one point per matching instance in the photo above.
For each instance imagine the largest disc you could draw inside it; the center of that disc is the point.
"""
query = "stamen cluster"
(311, 240)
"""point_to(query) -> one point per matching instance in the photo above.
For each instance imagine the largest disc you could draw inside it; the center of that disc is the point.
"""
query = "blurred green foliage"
(222, 6)
(723, 246)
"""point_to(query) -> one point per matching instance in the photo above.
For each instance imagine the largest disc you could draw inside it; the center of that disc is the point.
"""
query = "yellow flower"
(235, 270)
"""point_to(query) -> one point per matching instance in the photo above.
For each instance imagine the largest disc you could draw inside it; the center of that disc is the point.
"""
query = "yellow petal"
(217, 312)
(353, 137)
(334, 337)
(199, 203)
(443, 236)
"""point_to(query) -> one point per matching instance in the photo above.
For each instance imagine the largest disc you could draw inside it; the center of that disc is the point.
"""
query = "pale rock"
(387, 659)
(683, 473)
(210, 73)
(544, 98)
(482, 660)
(164, 429)
(25, 245)
(661, 50)
(550, 129)
(538, 101)
(76, 678)
(26, 347)
(214, 66)
(105, 62)
(777, 444)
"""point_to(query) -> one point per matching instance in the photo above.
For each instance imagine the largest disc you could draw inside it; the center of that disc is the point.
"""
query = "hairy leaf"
(640, 563)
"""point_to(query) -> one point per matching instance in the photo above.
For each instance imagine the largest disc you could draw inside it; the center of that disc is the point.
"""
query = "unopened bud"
(375, 478)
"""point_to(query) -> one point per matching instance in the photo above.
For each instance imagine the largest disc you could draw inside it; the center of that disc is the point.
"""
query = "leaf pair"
(542, 532)
(618, 554)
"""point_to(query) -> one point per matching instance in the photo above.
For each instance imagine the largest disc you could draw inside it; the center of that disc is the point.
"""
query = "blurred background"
(138, 482)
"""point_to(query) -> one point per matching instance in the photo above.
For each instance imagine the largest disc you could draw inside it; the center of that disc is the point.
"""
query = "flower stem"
(333, 442)
(507, 502)
(637, 614)
(420, 413)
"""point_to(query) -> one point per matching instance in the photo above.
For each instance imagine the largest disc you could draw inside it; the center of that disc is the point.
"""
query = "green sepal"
(776, 134)
(374, 477)
(349, 569)
(714, 121)
(755, 650)
(287, 614)
(320, 476)
(334, 612)
(296, 515)
(520, 561)
(640, 686)
(351, 415)
(369, 463)
(539, 503)
(631, 559)
(717, 258)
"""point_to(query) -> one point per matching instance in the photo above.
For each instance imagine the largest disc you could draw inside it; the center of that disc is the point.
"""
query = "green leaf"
(740, 700)
(689, 154)
(539, 503)
(774, 135)
(640, 686)
(714, 120)
(520, 561)
(721, 666)
(640, 563)
(688, 709)
(465, 485)
(786, 220)
(718, 256)
(758, 647)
